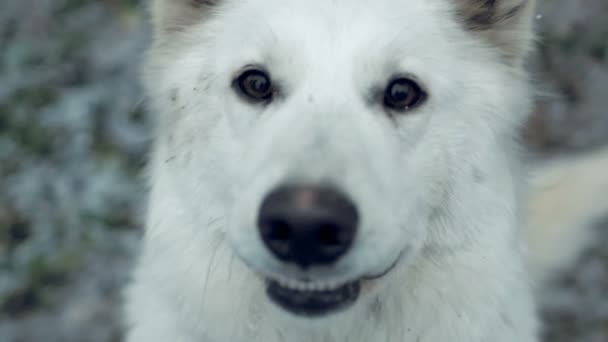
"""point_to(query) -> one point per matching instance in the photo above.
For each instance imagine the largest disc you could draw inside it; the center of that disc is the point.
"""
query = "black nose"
(308, 225)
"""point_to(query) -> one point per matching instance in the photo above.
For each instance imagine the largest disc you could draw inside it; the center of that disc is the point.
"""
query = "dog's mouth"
(313, 300)
(318, 299)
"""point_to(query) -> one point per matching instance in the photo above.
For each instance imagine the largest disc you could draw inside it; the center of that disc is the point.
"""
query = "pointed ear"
(506, 24)
(175, 15)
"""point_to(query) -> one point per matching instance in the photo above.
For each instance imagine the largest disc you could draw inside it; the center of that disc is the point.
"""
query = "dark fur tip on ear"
(201, 3)
(176, 15)
(488, 14)
(506, 24)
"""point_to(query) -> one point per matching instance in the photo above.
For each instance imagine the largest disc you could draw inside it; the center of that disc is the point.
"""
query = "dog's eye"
(255, 84)
(403, 94)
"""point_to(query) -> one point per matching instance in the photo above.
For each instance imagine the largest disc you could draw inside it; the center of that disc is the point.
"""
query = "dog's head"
(331, 135)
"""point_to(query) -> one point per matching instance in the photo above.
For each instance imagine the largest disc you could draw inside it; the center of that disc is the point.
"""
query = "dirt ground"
(74, 134)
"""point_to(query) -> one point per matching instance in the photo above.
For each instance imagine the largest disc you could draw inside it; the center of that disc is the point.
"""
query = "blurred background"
(74, 135)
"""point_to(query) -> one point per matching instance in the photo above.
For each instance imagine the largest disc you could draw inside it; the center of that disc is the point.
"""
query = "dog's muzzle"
(309, 226)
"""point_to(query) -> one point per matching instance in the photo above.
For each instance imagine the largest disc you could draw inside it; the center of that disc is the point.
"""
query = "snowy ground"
(73, 137)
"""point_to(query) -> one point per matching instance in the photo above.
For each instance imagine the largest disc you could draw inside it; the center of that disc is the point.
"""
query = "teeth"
(309, 287)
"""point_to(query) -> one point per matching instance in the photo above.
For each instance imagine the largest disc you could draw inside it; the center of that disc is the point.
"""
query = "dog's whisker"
(208, 275)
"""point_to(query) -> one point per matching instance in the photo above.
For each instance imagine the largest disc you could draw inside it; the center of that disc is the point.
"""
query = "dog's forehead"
(348, 15)
(335, 25)
(291, 36)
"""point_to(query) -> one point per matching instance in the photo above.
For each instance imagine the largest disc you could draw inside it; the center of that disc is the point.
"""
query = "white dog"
(345, 170)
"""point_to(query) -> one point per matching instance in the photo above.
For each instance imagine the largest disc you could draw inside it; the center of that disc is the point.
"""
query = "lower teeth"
(309, 302)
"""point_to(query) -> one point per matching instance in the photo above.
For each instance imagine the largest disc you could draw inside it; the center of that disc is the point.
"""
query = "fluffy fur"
(439, 188)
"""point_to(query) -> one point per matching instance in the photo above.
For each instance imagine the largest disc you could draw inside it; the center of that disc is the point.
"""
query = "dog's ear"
(506, 24)
(175, 15)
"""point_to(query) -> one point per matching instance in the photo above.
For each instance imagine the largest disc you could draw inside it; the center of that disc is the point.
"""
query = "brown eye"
(403, 94)
(255, 84)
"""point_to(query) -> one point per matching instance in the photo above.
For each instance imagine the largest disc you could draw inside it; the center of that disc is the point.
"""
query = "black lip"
(313, 303)
(385, 272)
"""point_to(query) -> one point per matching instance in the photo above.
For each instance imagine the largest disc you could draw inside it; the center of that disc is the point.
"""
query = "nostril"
(277, 234)
(328, 235)
(279, 230)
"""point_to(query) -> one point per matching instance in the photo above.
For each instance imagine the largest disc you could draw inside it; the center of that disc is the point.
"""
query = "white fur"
(440, 186)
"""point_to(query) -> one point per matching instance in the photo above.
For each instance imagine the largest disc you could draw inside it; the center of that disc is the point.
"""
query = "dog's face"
(329, 134)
